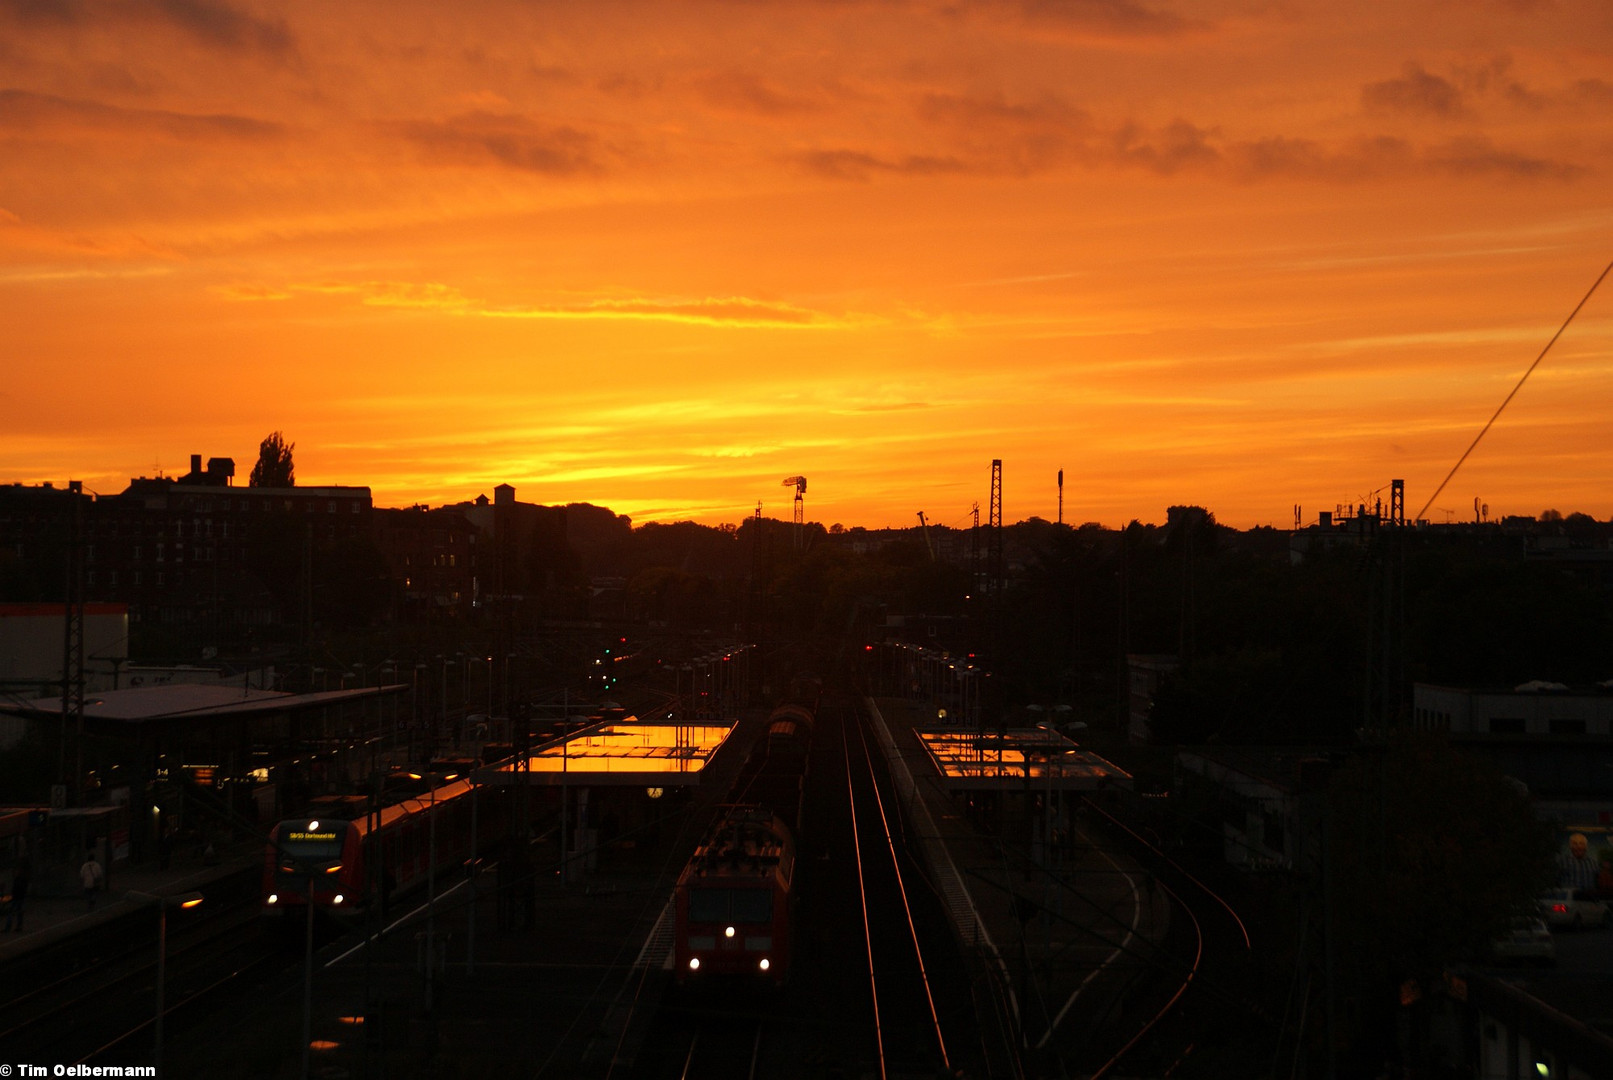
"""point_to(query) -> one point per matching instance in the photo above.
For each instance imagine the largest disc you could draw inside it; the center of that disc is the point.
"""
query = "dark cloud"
(24, 112)
(1185, 148)
(1285, 156)
(1016, 137)
(1417, 92)
(1117, 17)
(482, 138)
(1477, 157)
(1177, 147)
(42, 11)
(744, 93)
(628, 86)
(974, 111)
(223, 26)
(213, 24)
(1592, 91)
(859, 165)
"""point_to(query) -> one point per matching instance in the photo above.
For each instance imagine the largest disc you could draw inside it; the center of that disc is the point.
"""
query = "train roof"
(746, 840)
(403, 808)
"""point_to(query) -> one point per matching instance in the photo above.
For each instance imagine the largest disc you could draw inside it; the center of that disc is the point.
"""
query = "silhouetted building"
(432, 556)
(195, 555)
(1557, 740)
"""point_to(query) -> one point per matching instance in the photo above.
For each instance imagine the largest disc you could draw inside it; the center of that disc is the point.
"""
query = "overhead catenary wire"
(1514, 392)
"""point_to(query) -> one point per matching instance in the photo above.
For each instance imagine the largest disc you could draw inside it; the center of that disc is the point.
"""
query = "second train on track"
(734, 904)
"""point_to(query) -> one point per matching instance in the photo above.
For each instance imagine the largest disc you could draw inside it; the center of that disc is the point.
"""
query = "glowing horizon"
(660, 257)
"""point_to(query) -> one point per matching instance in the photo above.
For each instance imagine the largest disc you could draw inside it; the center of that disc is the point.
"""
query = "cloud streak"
(480, 139)
(54, 118)
(735, 312)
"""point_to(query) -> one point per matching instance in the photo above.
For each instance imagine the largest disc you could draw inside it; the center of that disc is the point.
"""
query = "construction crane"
(924, 526)
(799, 484)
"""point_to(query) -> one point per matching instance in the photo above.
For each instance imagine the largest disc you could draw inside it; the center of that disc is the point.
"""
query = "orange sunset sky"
(659, 256)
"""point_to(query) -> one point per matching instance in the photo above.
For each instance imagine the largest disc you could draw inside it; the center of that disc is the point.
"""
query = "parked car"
(1573, 907)
(1526, 939)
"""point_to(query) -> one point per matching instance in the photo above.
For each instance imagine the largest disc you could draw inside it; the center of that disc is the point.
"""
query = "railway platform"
(47, 920)
(1066, 924)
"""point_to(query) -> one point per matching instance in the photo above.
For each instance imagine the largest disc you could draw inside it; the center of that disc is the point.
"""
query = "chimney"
(196, 464)
(1325, 519)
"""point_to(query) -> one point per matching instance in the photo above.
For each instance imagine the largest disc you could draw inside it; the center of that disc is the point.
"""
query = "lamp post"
(162, 904)
(431, 874)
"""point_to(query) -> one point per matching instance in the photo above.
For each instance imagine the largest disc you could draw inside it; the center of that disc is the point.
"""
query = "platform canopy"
(184, 701)
(624, 752)
(1016, 759)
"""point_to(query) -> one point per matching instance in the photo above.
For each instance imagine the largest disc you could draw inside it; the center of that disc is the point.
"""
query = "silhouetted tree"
(274, 468)
(1430, 851)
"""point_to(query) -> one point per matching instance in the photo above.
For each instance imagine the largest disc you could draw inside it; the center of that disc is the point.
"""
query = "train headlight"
(274, 898)
(337, 899)
(765, 963)
(694, 963)
(728, 932)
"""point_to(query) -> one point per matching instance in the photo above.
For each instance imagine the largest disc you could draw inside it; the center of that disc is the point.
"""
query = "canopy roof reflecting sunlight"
(1015, 758)
(625, 752)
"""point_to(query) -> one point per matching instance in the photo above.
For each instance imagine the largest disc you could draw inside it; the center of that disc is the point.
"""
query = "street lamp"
(162, 904)
(433, 779)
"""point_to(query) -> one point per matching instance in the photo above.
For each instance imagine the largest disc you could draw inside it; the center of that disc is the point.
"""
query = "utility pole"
(73, 647)
(975, 576)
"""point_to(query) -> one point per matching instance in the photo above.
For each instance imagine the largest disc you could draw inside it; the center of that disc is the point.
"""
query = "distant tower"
(1061, 496)
(1397, 503)
(799, 483)
(974, 552)
(996, 526)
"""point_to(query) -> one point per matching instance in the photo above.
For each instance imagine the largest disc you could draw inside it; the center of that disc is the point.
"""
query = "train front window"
(730, 905)
(708, 905)
(753, 906)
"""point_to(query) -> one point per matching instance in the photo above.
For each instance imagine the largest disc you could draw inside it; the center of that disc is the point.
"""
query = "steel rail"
(1198, 955)
(1174, 865)
(862, 896)
(907, 909)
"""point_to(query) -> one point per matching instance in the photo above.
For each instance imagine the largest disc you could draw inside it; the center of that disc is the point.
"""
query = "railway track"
(878, 987)
(909, 1036)
(1189, 1000)
(101, 1010)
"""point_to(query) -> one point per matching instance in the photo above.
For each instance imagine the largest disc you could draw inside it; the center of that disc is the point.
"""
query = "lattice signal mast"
(996, 526)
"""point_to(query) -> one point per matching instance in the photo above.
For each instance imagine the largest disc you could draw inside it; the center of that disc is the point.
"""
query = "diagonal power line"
(1510, 396)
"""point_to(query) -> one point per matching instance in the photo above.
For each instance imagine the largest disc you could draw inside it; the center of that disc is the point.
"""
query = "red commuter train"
(349, 863)
(733, 905)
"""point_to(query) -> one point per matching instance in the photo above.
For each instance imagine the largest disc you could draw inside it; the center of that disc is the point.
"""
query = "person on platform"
(19, 894)
(91, 875)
